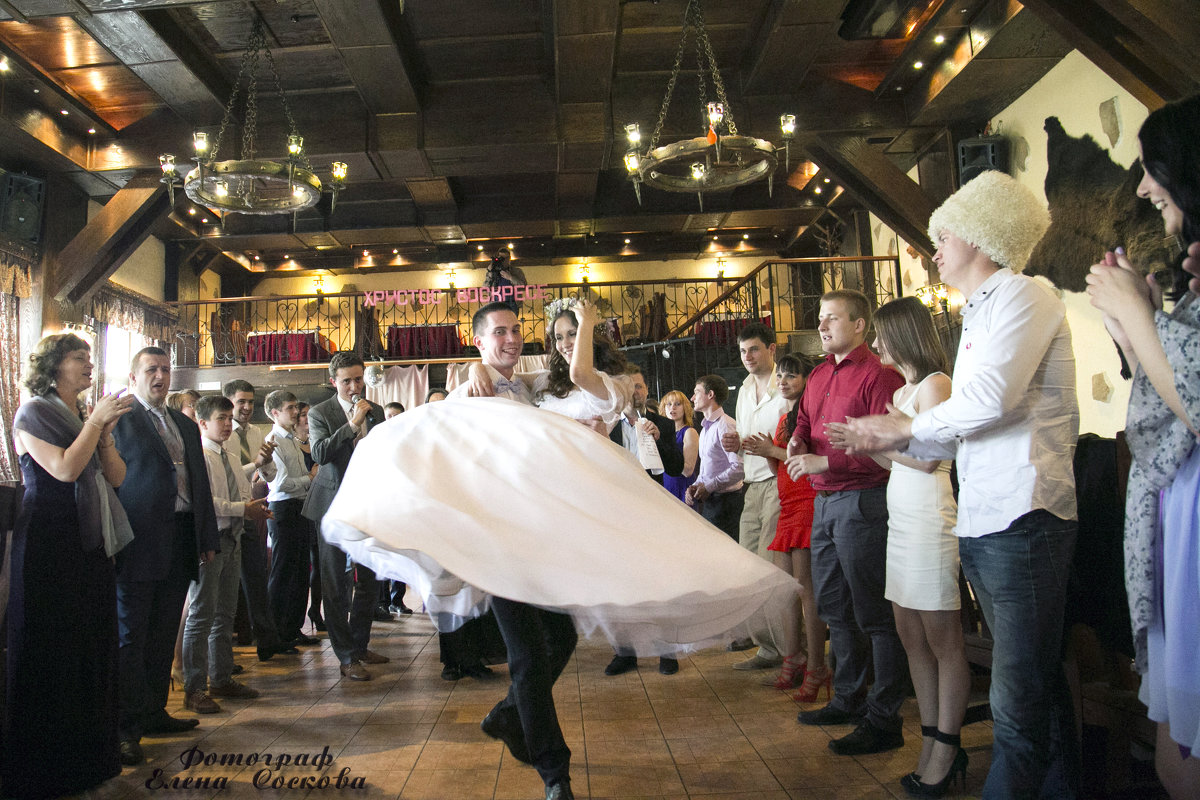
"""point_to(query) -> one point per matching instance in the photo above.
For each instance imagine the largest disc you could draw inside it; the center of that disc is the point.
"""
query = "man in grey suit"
(167, 498)
(335, 427)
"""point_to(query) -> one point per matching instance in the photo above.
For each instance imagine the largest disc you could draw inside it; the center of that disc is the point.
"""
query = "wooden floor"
(707, 732)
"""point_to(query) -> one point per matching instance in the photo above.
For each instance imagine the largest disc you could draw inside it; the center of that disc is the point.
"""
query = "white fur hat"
(996, 214)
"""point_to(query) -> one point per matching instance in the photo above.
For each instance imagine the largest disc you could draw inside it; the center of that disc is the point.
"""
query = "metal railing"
(423, 325)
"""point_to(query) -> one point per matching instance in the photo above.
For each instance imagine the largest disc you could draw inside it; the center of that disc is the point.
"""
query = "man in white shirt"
(759, 407)
(249, 448)
(1012, 420)
(287, 585)
(540, 642)
(208, 630)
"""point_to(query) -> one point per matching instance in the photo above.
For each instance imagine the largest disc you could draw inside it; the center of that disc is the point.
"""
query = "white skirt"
(470, 498)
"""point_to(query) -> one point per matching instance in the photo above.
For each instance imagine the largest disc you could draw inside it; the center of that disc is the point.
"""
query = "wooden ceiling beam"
(878, 184)
(369, 39)
(109, 239)
(190, 81)
(1148, 53)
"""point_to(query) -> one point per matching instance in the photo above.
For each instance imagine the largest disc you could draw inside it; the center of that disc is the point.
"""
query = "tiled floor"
(707, 732)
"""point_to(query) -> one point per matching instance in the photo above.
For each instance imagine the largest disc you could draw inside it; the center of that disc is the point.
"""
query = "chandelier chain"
(244, 68)
(251, 127)
(702, 34)
(666, 103)
(287, 109)
(703, 86)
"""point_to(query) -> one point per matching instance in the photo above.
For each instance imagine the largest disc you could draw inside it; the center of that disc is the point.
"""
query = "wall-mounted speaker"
(22, 199)
(980, 155)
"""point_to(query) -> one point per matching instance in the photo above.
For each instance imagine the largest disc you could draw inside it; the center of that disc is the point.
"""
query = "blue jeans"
(1020, 578)
(208, 630)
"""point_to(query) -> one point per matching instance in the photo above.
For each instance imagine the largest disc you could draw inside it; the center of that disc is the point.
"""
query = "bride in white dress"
(475, 497)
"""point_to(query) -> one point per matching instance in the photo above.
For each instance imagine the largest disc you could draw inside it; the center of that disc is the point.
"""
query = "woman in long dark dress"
(60, 728)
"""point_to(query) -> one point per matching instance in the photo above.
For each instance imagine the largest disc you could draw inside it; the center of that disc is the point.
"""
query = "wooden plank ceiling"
(468, 122)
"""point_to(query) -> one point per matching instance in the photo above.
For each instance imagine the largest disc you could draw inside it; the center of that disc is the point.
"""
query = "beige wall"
(145, 270)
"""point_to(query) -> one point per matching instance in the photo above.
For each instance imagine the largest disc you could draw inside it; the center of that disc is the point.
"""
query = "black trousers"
(540, 644)
(725, 511)
(287, 583)
(148, 614)
(254, 587)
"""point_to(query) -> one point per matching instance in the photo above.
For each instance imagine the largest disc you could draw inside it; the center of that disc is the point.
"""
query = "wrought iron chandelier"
(719, 160)
(251, 185)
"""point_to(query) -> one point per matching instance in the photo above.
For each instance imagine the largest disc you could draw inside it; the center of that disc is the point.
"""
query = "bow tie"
(504, 385)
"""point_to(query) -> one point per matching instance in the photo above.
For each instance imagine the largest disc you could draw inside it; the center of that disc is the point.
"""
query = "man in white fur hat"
(1011, 422)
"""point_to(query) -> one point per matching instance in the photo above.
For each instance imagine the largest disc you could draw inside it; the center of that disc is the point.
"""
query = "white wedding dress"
(470, 498)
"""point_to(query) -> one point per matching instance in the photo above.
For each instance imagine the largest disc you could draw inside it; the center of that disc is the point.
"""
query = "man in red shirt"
(849, 535)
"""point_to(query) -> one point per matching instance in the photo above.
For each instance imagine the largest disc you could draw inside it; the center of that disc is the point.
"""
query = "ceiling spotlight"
(204, 220)
(366, 253)
(817, 190)
(257, 257)
(918, 65)
(745, 236)
(64, 112)
(480, 248)
(192, 211)
(4, 65)
(626, 241)
(395, 251)
(510, 245)
(827, 180)
(286, 256)
(714, 238)
(939, 39)
(92, 131)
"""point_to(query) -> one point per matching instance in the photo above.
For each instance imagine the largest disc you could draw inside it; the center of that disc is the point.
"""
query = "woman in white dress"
(922, 550)
(479, 497)
(586, 380)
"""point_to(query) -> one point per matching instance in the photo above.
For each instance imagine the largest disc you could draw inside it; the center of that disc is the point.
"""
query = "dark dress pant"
(540, 644)
(287, 583)
(148, 618)
(349, 603)
(254, 587)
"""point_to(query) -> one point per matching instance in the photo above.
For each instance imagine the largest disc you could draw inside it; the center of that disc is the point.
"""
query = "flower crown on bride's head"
(553, 309)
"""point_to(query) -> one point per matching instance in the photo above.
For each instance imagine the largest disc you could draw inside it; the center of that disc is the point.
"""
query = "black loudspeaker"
(21, 201)
(981, 154)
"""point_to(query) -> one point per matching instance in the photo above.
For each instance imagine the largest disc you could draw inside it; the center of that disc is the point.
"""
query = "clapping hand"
(257, 510)
(760, 444)
(806, 464)
(265, 453)
(874, 434)
(110, 408)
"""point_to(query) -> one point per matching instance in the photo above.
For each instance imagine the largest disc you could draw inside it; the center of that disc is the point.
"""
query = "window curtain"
(14, 284)
(117, 306)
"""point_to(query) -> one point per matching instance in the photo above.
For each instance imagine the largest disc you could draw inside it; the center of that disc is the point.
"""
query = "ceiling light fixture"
(713, 161)
(252, 185)
(939, 39)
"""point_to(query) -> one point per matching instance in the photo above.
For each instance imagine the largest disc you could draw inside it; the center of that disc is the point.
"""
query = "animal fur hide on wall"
(1093, 208)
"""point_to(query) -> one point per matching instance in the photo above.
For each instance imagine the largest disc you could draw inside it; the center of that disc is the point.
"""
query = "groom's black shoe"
(507, 728)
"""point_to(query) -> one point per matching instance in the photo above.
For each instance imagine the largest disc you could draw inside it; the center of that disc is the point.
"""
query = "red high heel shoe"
(814, 680)
(790, 672)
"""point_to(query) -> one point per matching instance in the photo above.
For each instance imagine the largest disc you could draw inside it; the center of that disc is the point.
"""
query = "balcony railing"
(430, 324)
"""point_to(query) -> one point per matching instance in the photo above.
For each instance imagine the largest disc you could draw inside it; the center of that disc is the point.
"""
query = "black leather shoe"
(828, 715)
(668, 666)
(560, 790)
(238, 669)
(381, 614)
(165, 723)
(131, 753)
(620, 665)
(301, 639)
(286, 649)
(865, 739)
(451, 673)
(477, 671)
(507, 728)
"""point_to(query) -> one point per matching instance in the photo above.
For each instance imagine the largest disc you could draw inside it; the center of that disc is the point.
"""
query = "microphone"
(354, 398)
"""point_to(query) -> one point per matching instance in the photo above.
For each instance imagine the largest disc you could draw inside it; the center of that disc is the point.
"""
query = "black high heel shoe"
(910, 781)
(318, 622)
(957, 768)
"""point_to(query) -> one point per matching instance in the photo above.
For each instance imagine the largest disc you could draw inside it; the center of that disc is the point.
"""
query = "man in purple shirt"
(718, 487)
(849, 534)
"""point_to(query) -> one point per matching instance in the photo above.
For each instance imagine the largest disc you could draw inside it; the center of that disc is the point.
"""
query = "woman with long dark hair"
(1162, 518)
(922, 552)
(60, 725)
(678, 408)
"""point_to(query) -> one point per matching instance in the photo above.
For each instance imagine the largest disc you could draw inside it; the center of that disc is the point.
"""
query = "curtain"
(405, 385)
(15, 265)
(117, 306)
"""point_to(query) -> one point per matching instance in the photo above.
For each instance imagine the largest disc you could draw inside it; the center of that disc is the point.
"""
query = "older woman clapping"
(60, 729)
